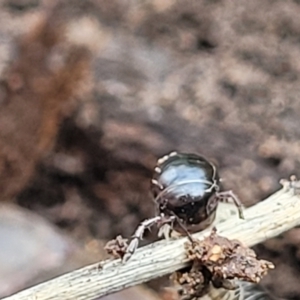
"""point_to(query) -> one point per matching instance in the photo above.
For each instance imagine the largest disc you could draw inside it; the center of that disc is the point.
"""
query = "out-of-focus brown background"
(93, 92)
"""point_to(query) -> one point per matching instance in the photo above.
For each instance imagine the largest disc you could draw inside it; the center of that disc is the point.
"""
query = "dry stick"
(267, 219)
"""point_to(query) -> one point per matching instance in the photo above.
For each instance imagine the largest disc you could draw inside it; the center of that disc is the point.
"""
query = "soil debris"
(117, 247)
(218, 261)
(291, 185)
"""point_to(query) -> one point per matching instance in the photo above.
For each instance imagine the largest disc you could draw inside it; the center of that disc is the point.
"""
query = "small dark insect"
(186, 190)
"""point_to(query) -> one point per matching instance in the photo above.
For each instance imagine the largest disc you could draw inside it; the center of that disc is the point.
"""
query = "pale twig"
(267, 219)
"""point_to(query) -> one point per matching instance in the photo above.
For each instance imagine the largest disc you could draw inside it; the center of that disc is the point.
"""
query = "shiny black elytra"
(186, 190)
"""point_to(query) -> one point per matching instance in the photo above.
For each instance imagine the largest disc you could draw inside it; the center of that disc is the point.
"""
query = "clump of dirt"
(117, 247)
(218, 261)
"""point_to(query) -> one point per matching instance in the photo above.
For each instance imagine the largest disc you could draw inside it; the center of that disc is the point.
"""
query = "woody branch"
(269, 218)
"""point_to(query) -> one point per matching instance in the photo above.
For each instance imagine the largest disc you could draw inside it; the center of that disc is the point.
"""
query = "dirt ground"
(93, 92)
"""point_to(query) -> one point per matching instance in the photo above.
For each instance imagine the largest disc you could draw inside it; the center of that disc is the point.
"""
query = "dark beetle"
(185, 185)
(186, 188)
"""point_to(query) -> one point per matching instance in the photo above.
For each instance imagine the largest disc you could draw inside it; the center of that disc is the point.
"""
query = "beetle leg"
(186, 231)
(179, 222)
(165, 231)
(138, 234)
(212, 204)
(226, 195)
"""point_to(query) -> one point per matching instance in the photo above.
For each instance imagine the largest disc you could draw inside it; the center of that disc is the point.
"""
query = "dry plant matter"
(269, 218)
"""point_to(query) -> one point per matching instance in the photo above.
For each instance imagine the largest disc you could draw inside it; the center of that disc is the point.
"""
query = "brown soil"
(79, 140)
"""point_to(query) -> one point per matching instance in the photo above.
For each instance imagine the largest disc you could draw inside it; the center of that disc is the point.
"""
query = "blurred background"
(93, 92)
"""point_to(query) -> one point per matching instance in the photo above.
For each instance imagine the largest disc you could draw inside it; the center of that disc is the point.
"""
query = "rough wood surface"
(267, 219)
